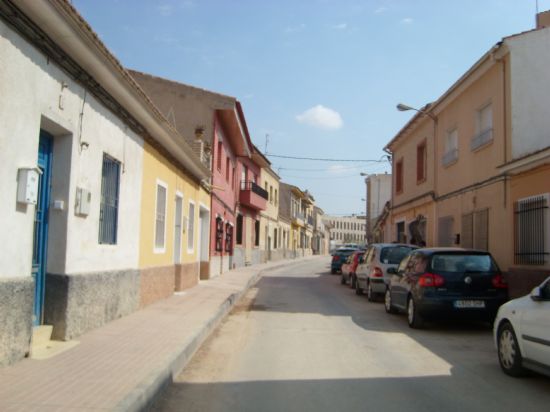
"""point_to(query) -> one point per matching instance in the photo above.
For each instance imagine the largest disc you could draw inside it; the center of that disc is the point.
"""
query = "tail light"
(499, 282)
(431, 280)
(377, 273)
(335, 258)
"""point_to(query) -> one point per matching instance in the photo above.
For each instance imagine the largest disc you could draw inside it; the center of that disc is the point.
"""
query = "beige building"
(472, 169)
(346, 229)
(271, 237)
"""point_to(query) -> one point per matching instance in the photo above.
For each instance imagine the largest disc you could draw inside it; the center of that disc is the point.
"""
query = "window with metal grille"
(108, 212)
(475, 230)
(228, 237)
(445, 231)
(160, 217)
(219, 234)
(257, 233)
(191, 227)
(532, 237)
(239, 239)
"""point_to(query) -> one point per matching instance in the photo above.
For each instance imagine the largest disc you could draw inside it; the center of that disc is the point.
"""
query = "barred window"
(108, 212)
(191, 227)
(160, 217)
(531, 230)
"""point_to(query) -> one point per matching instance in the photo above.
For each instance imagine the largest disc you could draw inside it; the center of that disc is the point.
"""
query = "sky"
(317, 78)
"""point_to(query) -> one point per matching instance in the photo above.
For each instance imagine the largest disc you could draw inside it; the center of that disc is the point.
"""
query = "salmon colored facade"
(464, 165)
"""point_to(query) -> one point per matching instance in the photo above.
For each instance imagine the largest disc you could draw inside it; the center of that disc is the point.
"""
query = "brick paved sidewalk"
(124, 364)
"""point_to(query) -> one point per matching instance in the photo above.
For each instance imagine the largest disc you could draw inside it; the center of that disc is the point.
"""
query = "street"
(300, 341)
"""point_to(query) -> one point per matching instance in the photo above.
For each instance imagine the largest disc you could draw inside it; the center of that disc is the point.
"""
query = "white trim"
(191, 249)
(179, 252)
(156, 249)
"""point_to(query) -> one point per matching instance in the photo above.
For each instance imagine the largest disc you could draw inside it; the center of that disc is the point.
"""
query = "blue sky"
(321, 78)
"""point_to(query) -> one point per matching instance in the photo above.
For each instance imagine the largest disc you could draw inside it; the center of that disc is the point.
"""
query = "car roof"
(451, 250)
(393, 244)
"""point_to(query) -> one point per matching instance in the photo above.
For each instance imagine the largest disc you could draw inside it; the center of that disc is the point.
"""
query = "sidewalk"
(123, 365)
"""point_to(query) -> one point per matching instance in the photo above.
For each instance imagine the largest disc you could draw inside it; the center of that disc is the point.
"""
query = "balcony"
(298, 219)
(253, 196)
(450, 157)
(481, 139)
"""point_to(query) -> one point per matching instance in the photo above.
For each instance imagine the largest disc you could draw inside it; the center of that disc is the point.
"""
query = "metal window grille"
(239, 239)
(108, 212)
(531, 230)
(219, 234)
(160, 217)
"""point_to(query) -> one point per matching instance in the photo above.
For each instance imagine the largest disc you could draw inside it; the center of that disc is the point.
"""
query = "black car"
(437, 283)
(339, 257)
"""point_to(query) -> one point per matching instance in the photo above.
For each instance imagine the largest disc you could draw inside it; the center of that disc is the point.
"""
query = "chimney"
(543, 19)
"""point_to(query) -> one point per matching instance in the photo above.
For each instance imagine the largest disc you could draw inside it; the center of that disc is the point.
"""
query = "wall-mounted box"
(83, 201)
(27, 185)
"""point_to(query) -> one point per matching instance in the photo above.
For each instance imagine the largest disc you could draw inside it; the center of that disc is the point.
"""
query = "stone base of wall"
(204, 270)
(256, 257)
(156, 283)
(16, 309)
(78, 303)
(521, 281)
(187, 276)
(277, 254)
(238, 258)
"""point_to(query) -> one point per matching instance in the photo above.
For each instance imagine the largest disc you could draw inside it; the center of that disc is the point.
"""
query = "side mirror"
(536, 294)
(392, 271)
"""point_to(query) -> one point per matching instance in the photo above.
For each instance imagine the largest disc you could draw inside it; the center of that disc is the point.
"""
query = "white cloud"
(294, 29)
(341, 26)
(321, 117)
(407, 20)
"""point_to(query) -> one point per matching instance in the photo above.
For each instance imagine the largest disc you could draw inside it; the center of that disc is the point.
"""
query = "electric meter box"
(27, 185)
(83, 201)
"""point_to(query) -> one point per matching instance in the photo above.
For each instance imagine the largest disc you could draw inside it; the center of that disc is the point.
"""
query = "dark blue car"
(339, 257)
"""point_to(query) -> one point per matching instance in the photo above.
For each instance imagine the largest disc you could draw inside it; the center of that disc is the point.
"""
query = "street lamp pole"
(366, 200)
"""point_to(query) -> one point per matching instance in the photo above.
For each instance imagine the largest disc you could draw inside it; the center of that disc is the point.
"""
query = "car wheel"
(370, 294)
(388, 305)
(509, 355)
(353, 281)
(358, 290)
(414, 319)
(333, 271)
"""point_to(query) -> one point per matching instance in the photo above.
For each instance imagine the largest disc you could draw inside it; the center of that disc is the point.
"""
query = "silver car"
(372, 275)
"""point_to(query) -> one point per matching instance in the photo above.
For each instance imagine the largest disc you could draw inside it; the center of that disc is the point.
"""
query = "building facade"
(346, 229)
(378, 192)
(271, 238)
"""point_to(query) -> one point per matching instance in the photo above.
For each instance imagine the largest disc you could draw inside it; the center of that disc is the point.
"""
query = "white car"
(522, 333)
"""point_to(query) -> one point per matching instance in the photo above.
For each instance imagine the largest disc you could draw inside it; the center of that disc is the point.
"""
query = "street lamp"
(403, 108)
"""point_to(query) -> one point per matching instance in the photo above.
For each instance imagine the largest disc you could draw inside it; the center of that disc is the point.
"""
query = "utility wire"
(381, 160)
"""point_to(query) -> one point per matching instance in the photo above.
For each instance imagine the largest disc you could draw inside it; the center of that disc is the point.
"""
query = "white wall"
(31, 89)
(530, 96)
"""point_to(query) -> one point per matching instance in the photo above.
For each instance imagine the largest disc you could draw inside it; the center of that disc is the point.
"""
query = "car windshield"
(462, 263)
(392, 255)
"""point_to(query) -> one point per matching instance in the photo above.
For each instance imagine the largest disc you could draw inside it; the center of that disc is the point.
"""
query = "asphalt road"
(300, 341)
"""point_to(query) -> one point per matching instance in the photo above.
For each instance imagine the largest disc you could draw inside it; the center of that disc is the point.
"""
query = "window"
(191, 227)
(451, 148)
(108, 210)
(275, 238)
(271, 194)
(220, 145)
(421, 162)
(160, 218)
(227, 164)
(276, 198)
(228, 237)
(219, 234)
(532, 236)
(257, 233)
(233, 179)
(239, 240)
(399, 176)
(484, 127)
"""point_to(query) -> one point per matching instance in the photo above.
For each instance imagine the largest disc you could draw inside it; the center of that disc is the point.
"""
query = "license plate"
(476, 304)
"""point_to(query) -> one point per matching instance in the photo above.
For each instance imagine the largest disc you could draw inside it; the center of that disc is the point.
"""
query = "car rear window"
(392, 255)
(462, 263)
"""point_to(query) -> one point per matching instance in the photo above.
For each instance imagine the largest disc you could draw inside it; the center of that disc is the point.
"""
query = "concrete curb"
(142, 396)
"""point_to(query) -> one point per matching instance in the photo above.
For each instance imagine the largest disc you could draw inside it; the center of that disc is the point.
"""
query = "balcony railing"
(481, 139)
(450, 157)
(310, 220)
(253, 196)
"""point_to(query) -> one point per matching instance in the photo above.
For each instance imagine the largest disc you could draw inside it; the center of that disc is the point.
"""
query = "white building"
(346, 229)
(378, 192)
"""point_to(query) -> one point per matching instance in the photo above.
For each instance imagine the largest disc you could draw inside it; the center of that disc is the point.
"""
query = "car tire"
(509, 355)
(371, 296)
(388, 305)
(414, 319)
(358, 290)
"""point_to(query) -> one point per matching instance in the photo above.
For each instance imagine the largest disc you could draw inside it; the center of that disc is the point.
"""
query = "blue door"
(40, 242)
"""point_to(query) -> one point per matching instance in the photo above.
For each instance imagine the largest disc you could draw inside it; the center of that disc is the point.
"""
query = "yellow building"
(175, 223)
(271, 238)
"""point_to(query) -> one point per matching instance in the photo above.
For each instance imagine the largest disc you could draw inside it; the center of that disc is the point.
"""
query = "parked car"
(522, 333)
(349, 268)
(339, 256)
(442, 282)
(372, 274)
